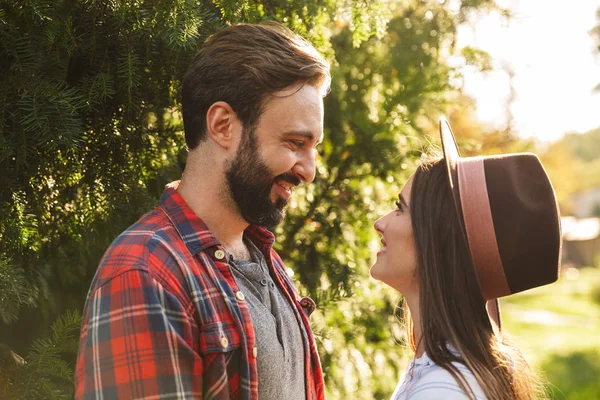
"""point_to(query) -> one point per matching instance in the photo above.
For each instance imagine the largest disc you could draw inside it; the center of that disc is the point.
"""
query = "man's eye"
(297, 143)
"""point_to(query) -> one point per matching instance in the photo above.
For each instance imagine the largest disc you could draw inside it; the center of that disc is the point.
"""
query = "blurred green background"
(90, 131)
(558, 329)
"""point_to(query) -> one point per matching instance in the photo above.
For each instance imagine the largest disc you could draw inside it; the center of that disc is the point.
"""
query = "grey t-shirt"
(279, 337)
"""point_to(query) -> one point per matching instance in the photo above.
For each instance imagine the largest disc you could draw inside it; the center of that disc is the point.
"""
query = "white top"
(425, 380)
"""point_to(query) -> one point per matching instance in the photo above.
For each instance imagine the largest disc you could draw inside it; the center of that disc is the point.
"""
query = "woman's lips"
(383, 249)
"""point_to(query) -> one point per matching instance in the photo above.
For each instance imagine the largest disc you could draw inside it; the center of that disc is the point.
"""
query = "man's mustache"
(289, 178)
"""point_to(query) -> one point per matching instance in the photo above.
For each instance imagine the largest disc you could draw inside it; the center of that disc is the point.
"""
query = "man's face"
(276, 155)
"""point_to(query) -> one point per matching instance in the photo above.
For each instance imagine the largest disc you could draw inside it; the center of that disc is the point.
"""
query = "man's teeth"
(286, 187)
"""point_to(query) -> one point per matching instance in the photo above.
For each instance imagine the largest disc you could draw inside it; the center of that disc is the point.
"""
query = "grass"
(558, 329)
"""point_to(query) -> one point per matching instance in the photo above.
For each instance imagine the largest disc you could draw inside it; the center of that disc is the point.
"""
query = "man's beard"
(250, 182)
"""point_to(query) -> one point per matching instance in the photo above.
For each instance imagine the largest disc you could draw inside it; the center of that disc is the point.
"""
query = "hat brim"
(452, 159)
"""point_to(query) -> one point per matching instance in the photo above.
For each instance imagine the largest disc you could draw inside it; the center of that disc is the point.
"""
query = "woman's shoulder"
(435, 382)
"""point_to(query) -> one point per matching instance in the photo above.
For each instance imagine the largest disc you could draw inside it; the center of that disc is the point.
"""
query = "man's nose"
(305, 168)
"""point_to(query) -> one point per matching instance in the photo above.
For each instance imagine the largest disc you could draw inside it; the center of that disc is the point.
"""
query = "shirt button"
(255, 352)
(240, 296)
(224, 342)
(219, 254)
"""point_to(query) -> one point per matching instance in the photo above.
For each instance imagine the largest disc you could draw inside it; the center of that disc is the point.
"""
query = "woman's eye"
(398, 205)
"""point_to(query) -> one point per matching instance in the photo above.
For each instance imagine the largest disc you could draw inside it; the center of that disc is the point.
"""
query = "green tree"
(573, 165)
(90, 132)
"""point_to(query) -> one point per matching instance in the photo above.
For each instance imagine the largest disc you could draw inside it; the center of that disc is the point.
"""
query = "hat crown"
(526, 219)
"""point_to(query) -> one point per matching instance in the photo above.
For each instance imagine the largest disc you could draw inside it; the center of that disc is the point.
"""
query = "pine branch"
(128, 72)
(25, 56)
(46, 372)
(184, 22)
(49, 115)
(99, 89)
(15, 291)
(231, 10)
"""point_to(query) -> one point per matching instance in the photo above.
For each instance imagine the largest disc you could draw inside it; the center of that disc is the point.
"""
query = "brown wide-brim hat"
(510, 219)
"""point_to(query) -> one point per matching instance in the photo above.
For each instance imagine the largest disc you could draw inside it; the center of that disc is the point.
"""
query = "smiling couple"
(193, 302)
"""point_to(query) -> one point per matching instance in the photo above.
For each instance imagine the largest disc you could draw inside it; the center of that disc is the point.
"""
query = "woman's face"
(397, 260)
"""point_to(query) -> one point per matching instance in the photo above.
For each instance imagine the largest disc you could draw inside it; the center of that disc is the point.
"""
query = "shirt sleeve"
(137, 342)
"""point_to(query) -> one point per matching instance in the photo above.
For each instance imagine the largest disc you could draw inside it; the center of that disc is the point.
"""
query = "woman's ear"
(222, 124)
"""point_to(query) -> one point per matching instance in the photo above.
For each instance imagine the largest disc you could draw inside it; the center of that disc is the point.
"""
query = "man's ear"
(221, 124)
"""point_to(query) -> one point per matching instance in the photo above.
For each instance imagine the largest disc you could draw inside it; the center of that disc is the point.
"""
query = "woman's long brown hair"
(451, 305)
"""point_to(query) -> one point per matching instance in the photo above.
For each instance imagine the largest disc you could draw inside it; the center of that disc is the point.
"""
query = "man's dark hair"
(242, 65)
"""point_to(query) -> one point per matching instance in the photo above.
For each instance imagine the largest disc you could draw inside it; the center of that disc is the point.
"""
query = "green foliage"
(46, 372)
(596, 211)
(15, 291)
(557, 328)
(595, 292)
(573, 165)
(477, 58)
(90, 131)
(576, 375)
(584, 146)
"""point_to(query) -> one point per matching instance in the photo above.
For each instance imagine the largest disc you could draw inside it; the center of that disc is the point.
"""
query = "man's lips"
(285, 184)
(284, 189)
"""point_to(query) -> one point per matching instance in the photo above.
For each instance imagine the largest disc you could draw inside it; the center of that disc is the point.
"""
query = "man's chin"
(269, 219)
(274, 219)
(279, 204)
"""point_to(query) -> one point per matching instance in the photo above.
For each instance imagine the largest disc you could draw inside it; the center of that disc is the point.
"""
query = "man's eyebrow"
(403, 200)
(307, 134)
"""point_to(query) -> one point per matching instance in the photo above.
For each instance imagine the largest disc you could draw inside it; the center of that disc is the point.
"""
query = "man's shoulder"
(147, 244)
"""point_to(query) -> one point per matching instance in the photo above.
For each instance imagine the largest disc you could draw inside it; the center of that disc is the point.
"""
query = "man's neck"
(205, 199)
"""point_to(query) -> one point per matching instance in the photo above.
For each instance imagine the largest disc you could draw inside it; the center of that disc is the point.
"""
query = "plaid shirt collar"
(195, 233)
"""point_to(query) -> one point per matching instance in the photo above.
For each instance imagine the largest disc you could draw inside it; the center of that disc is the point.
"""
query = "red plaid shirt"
(165, 319)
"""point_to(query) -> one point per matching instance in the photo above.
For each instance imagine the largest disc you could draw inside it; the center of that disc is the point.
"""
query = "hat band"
(479, 226)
